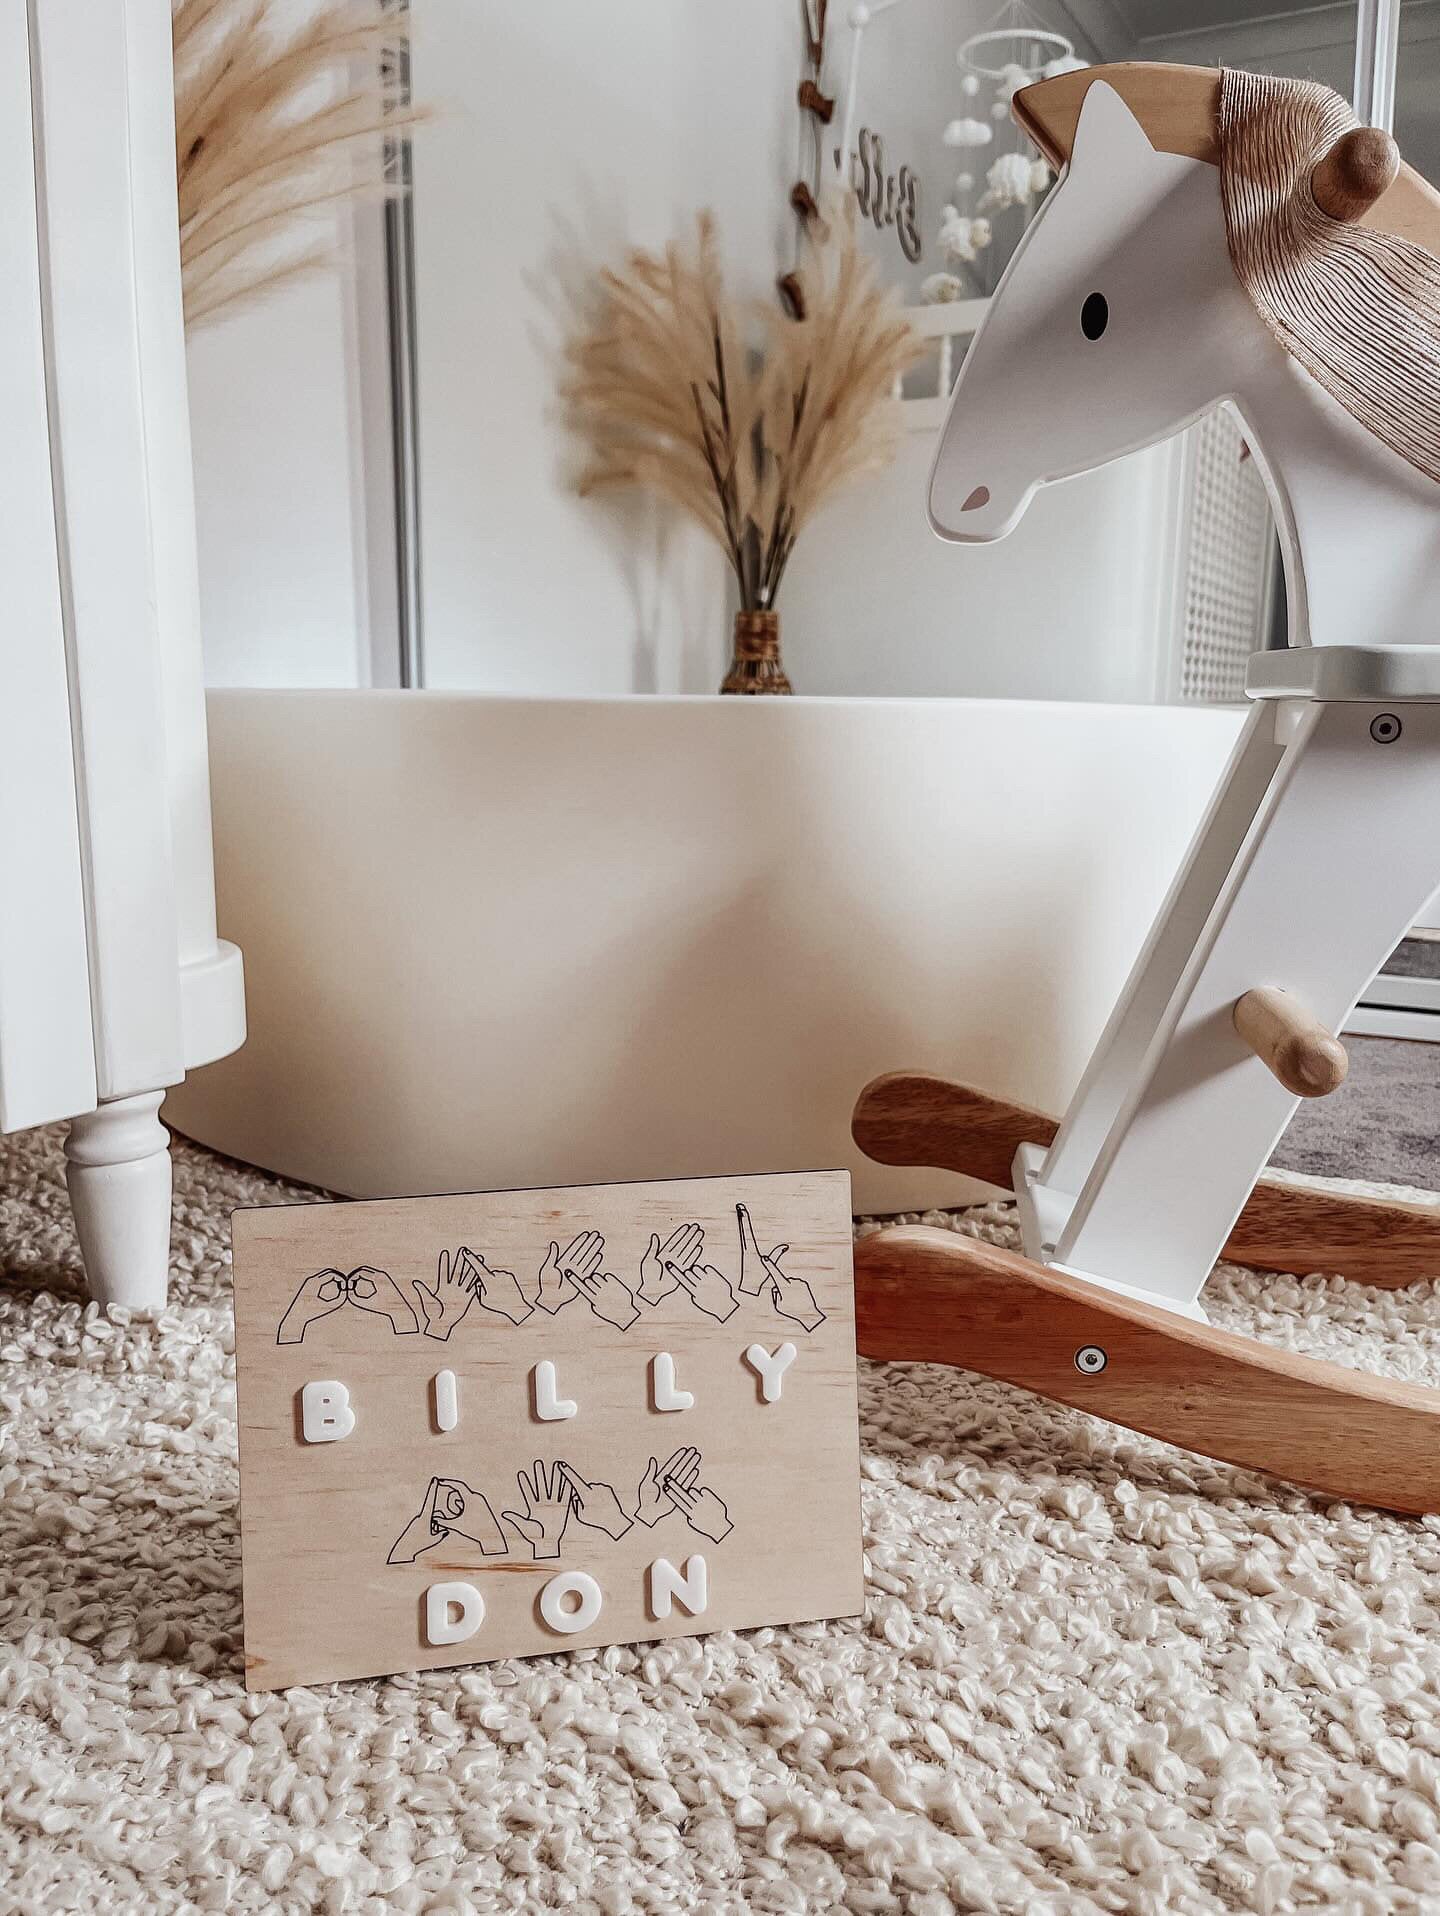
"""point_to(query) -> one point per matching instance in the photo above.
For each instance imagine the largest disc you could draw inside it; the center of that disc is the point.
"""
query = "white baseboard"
(1394, 1021)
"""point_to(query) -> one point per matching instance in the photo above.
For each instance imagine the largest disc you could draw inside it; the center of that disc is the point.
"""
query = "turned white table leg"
(118, 1171)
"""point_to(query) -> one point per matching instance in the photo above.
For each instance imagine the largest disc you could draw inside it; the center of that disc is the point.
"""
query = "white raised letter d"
(463, 1599)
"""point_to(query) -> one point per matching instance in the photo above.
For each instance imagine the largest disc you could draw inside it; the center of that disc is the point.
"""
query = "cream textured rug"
(1095, 1674)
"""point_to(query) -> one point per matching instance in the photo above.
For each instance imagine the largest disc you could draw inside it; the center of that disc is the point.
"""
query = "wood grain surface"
(937, 1297)
(342, 1539)
(1291, 1042)
(911, 1117)
(1178, 107)
(1358, 169)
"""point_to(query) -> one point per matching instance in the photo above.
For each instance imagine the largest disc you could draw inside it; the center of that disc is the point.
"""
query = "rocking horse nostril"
(979, 497)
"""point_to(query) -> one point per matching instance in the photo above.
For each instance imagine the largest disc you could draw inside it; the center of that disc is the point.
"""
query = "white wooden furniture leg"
(118, 1173)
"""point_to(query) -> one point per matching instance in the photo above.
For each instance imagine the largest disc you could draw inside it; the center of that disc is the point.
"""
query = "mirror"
(561, 138)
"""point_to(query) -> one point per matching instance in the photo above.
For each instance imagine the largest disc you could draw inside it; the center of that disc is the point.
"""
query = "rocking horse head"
(1132, 304)
(1096, 339)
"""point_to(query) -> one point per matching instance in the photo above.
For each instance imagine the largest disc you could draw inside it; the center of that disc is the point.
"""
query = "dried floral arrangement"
(277, 114)
(746, 418)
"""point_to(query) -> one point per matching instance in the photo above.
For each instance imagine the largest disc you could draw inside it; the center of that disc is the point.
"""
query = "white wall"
(1417, 87)
(278, 428)
(563, 135)
(1072, 605)
(272, 407)
(908, 93)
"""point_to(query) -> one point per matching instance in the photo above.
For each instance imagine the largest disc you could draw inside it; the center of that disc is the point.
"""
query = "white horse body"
(1286, 884)
(1038, 400)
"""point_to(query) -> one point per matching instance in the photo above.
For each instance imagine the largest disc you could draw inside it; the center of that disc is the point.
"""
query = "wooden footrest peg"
(1295, 1047)
(936, 1297)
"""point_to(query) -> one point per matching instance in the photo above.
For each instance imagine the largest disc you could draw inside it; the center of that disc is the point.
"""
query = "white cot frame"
(112, 979)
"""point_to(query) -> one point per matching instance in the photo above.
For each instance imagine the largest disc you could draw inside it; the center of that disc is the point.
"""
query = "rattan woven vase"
(755, 668)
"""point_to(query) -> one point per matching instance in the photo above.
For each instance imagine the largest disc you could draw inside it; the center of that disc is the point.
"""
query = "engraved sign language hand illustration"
(709, 1290)
(609, 1298)
(548, 1502)
(760, 1271)
(682, 1248)
(422, 1532)
(450, 1506)
(447, 1302)
(325, 1291)
(753, 1274)
(321, 1293)
(377, 1292)
(655, 1500)
(595, 1504)
(793, 1298)
(582, 1257)
(702, 1510)
(496, 1290)
(464, 1512)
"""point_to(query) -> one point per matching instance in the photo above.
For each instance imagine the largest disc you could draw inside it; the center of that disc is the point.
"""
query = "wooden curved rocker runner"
(1122, 318)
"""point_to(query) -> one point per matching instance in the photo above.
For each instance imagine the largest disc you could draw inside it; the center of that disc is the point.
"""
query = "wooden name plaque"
(517, 1422)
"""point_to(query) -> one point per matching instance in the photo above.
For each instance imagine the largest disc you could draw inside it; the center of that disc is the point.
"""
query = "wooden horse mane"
(1179, 108)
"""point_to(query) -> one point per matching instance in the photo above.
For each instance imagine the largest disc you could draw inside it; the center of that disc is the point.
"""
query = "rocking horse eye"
(1094, 316)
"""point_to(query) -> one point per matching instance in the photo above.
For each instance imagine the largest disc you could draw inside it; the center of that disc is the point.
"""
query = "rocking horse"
(1175, 266)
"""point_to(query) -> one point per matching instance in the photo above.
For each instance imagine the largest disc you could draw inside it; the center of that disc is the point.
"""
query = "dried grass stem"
(748, 420)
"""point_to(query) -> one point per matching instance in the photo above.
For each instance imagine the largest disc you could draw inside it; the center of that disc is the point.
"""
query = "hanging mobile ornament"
(818, 108)
(1016, 48)
(1013, 52)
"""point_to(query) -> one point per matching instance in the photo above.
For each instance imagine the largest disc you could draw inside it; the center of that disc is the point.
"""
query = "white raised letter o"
(556, 1610)
(440, 1600)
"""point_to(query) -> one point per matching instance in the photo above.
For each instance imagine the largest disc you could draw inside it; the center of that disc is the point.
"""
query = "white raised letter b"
(325, 1413)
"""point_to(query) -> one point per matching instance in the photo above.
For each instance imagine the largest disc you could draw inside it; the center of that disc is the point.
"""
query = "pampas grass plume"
(276, 117)
(748, 420)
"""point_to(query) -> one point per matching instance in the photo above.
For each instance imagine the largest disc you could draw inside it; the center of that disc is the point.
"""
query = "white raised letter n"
(690, 1588)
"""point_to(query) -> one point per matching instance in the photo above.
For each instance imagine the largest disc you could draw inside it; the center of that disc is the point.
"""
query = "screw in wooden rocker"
(1285, 905)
